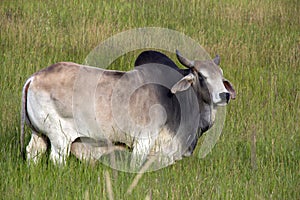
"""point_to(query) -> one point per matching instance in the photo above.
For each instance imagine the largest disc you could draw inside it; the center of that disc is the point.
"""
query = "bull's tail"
(24, 116)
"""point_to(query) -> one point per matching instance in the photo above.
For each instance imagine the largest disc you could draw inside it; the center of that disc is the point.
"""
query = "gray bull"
(156, 108)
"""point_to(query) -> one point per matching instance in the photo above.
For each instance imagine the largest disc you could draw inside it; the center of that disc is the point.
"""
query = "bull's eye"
(201, 79)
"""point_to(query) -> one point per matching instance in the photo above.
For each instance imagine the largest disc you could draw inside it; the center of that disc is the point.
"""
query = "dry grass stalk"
(140, 174)
(109, 186)
(253, 149)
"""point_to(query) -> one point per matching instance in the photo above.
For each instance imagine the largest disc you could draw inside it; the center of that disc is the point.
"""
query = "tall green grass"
(258, 154)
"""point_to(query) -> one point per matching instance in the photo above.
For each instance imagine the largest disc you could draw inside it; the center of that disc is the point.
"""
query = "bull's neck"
(207, 115)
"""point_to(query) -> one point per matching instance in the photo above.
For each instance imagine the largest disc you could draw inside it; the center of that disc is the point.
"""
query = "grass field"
(258, 154)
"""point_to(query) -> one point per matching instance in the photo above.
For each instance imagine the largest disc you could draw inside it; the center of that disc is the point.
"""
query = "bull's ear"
(184, 83)
(230, 88)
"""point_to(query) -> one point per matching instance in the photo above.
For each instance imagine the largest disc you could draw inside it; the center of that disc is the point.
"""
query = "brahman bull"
(156, 108)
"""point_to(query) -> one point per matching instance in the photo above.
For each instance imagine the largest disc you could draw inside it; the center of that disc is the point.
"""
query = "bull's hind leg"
(61, 133)
(36, 147)
(60, 150)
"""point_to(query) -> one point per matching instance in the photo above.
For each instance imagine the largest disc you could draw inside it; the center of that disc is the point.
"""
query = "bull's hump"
(150, 57)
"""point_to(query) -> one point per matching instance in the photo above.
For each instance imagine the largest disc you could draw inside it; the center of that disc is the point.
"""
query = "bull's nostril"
(225, 96)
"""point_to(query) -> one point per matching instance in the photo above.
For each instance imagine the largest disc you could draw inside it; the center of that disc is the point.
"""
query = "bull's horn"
(186, 62)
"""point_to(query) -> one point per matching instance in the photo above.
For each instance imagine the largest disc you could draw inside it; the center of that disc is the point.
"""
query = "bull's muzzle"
(225, 97)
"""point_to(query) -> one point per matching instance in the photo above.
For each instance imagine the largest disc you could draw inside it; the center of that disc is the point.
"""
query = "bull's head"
(206, 77)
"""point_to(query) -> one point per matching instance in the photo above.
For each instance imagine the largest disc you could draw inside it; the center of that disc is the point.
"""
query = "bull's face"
(207, 78)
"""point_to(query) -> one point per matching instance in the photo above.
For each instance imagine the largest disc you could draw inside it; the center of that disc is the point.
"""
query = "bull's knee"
(36, 147)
